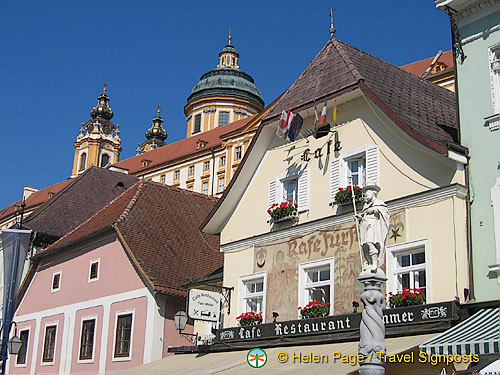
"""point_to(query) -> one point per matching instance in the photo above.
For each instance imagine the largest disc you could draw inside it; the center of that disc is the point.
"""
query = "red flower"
(341, 189)
(394, 297)
(403, 296)
(413, 295)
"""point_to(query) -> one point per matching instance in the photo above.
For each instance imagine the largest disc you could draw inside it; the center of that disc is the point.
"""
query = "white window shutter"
(372, 164)
(303, 190)
(273, 187)
(334, 179)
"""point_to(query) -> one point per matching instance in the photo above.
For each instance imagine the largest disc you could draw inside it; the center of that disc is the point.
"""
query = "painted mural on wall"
(281, 261)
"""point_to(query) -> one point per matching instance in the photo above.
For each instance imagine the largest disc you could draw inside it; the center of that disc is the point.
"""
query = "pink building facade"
(104, 317)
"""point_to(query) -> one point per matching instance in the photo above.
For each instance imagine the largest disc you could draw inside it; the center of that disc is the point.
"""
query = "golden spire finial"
(158, 111)
(230, 37)
(105, 87)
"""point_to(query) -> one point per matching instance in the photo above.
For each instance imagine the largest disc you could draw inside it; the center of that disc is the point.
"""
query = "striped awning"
(480, 334)
(235, 362)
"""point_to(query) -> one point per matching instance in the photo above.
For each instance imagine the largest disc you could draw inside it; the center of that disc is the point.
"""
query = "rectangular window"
(176, 175)
(162, 178)
(94, 270)
(87, 339)
(494, 57)
(123, 335)
(21, 356)
(410, 270)
(356, 170)
(222, 161)
(206, 165)
(237, 153)
(252, 293)
(223, 118)
(191, 170)
(222, 182)
(289, 188)
(49, 344)
(197, 124)
(56, 281)
(204, 187)
(407, 266)
(316, 282)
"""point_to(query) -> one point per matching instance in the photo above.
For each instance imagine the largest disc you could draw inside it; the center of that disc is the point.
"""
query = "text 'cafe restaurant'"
(424, 339)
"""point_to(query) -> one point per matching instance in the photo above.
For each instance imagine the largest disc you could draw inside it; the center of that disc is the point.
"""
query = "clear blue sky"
(55, 56)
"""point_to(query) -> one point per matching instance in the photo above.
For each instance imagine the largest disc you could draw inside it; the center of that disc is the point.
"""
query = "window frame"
(83, 161)
(220, 117)
(197, 124)
(494, 58)
(191, 170)
(83, 320)
(102, 158)
(54, 274)
(222, 161)
(203, 183)
(25, 363)
(206, 165)
(238, 152)
(393, 251)
(49, 325)
(127, 357)
(177, 174)
(242, 296)
(294, 179)
(308, 266)
(361, 172)
(163, 178)
(219, 179)
(92, 262)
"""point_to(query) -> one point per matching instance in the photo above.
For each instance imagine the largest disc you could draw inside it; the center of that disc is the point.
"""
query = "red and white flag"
(322, 119)
(316, 116)
(284, 123)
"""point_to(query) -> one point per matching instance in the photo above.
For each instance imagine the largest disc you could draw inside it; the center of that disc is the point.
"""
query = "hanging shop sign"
(203, 305)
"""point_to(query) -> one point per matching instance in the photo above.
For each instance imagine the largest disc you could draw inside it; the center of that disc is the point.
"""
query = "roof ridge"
(343, 54)
(132, 202)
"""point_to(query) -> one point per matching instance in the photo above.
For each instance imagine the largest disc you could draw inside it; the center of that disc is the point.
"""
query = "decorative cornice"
(440, 193)
(480, 35)
(478, 6)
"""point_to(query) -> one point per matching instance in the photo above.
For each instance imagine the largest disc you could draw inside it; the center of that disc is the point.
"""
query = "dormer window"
(145, 163)
(201, 143)
(439, 67)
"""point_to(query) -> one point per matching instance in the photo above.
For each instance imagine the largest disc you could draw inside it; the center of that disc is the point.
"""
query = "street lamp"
(180, 320)
(14, 344)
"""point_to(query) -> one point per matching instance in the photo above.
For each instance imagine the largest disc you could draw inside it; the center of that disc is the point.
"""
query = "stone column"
(372, 330)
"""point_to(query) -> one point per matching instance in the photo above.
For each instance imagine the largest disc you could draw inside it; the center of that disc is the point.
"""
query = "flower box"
(315, 309)
(249, 319)
(407, 297)
(283, 211)
(344, 195)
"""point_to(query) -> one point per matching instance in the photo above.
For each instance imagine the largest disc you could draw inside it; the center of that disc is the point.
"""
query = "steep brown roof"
(418, 68)
(159, 225)
(78, 200)
(425, 111)
(179, 149)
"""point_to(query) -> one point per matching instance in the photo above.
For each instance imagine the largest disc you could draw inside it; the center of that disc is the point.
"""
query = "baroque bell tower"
(98, 143)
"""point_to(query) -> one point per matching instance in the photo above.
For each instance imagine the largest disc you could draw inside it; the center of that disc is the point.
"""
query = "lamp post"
(14, 344)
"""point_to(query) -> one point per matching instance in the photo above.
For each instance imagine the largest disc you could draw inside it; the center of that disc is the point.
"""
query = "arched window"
(104, 160)
(83, 161)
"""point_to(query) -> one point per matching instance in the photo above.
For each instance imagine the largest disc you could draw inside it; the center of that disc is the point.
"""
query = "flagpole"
(357, 224)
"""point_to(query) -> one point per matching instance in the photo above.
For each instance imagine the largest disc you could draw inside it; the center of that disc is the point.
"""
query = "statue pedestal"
(372, 330)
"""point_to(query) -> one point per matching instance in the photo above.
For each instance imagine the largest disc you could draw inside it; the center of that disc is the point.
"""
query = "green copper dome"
(227, 80)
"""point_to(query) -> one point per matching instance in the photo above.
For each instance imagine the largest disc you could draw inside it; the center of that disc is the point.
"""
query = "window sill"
(121, 359)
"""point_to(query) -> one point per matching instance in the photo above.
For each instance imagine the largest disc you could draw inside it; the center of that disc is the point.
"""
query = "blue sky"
(56, 55)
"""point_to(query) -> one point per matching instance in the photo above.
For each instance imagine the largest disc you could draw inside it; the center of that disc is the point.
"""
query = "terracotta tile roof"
(179, 149)
(159, 224)
(418, 68)
(425, 111)
(78, 200)
(35, 199)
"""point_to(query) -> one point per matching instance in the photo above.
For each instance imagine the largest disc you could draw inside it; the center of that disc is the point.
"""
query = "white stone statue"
(374, 226)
